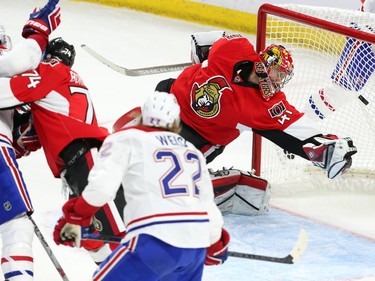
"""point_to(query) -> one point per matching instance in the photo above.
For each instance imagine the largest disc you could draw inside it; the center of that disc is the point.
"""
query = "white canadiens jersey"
(166, 183)
(25, 56)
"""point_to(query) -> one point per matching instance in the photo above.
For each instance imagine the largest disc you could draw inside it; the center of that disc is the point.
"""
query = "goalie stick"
(135, 71)
(48, 250)
(296, 253)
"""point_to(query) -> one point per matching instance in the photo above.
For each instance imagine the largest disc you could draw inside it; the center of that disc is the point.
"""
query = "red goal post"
(319, 35)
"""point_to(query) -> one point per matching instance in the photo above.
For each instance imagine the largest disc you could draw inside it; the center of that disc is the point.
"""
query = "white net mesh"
(333, 85)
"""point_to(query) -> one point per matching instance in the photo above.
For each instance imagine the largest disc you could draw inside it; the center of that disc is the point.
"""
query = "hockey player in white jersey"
(173, 226)
(16, 229)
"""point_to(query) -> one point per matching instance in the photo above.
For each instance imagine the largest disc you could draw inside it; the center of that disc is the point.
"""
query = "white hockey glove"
(201, 43)
(240, 192)
(332, 154)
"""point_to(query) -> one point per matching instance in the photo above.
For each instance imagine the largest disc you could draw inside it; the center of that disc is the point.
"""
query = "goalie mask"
(161, 110)
(279, 64)
(58, 48)
(5, 41)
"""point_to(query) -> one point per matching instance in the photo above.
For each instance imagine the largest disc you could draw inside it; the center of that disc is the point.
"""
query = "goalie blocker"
(240, 192)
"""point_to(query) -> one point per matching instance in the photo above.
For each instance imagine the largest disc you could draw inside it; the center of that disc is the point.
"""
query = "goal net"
(333, 84)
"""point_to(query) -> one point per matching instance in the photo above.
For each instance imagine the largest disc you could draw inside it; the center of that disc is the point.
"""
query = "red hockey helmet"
(279, 64)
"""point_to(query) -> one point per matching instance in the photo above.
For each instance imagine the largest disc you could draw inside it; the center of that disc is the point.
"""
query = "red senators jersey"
(218, 105)
(61, 107)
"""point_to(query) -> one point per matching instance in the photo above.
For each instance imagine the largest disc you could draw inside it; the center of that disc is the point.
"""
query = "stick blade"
(300, 246)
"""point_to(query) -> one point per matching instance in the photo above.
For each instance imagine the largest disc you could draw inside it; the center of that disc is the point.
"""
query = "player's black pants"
(78, 161)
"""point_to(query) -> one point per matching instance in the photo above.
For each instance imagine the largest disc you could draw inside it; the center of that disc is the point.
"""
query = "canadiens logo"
(205, 98)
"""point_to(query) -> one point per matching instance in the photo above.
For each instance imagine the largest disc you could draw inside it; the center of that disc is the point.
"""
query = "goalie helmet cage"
(316, 37)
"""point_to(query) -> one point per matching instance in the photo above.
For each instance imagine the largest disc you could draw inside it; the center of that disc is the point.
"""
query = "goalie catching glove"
(331, 153)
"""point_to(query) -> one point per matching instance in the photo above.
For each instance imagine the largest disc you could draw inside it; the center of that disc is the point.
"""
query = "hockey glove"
(74, 226)
(201, 43)
(43, 21)
(331, 153)
(25, 140)
(217, 253)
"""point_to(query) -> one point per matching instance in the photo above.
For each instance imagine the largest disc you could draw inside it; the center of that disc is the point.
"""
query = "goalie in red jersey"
(65, 123)
(231, 89)
(236, 89)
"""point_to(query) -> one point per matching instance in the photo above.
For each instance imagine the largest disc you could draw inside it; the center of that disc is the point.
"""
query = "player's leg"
(108, 219)
(17, 255)
(190, 266)
(145, 257)
(16, 229)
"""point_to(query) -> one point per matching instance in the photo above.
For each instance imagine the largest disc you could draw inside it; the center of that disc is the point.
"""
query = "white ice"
(135, 39)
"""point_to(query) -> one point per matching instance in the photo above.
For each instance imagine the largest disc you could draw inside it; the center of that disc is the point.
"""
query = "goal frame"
(268, 9)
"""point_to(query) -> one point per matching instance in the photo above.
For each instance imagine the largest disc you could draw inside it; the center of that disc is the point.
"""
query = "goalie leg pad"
(252, 195)
(240, 192)
(224, 183)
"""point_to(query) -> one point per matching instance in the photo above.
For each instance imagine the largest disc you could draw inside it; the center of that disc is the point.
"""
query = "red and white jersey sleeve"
(24, 56)
(166, 184)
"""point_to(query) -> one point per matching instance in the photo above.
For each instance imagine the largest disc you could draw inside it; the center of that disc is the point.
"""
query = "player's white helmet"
(5, 41)
(161, 110)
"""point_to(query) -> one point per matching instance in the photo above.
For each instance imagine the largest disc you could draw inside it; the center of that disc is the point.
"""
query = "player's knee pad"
(240, 192)
(17, 256)
(18, 230)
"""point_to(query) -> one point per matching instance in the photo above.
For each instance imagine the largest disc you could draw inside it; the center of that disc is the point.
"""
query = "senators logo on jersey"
(205, 99)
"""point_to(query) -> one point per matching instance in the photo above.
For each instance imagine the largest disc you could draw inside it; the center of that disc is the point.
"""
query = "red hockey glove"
(332, 154)
(217, 253)
(25, 140)
(78, 215)
(43, 21)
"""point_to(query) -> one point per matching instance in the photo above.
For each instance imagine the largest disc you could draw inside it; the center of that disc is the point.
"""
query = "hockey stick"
(135, 71)
(296, 253)
(48, 250)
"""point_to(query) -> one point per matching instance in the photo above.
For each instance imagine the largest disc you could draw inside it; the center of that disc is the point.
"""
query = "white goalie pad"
(240, 192)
